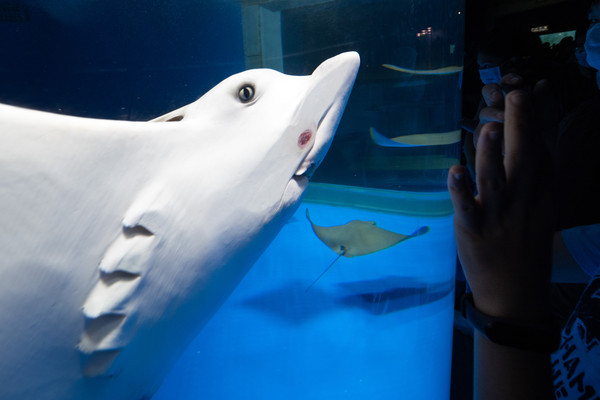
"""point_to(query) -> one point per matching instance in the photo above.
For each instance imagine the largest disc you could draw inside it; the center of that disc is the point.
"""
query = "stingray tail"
(324, 272)
(421, 231)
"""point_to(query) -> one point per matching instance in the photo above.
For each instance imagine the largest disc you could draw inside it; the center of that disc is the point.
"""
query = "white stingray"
(119, 240)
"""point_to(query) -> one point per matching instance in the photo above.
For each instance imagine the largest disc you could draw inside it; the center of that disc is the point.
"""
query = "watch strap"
(535, 337)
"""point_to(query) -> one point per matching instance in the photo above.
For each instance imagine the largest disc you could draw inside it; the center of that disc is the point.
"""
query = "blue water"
(375, 326)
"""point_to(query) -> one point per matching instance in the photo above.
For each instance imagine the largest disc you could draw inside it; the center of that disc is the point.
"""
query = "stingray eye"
(246, 93)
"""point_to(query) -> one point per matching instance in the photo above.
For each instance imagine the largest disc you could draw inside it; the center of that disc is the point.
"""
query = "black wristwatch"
(539, 338)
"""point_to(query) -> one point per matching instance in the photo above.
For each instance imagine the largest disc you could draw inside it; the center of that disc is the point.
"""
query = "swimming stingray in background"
(416, 139)
(119, 240)
(452, 69)
(358, 238)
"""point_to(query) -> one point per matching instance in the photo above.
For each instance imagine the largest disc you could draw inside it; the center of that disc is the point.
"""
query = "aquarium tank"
(355, 297)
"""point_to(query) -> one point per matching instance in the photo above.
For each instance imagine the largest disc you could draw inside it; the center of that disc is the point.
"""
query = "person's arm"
(504, 241)
(505, 373)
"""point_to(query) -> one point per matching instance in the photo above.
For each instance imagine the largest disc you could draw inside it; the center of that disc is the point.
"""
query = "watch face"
(576, 363)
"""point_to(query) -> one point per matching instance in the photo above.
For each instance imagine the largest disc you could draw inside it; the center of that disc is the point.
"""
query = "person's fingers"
(489, 166)
(510, 82)
(476, 134)
(466, 209)
(492, 95)
(491, 114)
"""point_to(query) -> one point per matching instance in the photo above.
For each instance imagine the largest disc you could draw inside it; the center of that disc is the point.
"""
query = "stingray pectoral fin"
(374, 239)
(452, 69)
(308, 217)
(417, 139)
(384, 141)
(331, 236)
(421, 231)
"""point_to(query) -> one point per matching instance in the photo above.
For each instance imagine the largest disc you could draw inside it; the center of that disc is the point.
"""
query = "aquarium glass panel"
(355, 297)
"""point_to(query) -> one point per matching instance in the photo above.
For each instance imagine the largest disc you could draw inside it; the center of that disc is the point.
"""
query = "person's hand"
(547, 109)
(493, 97)
(504, 234)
